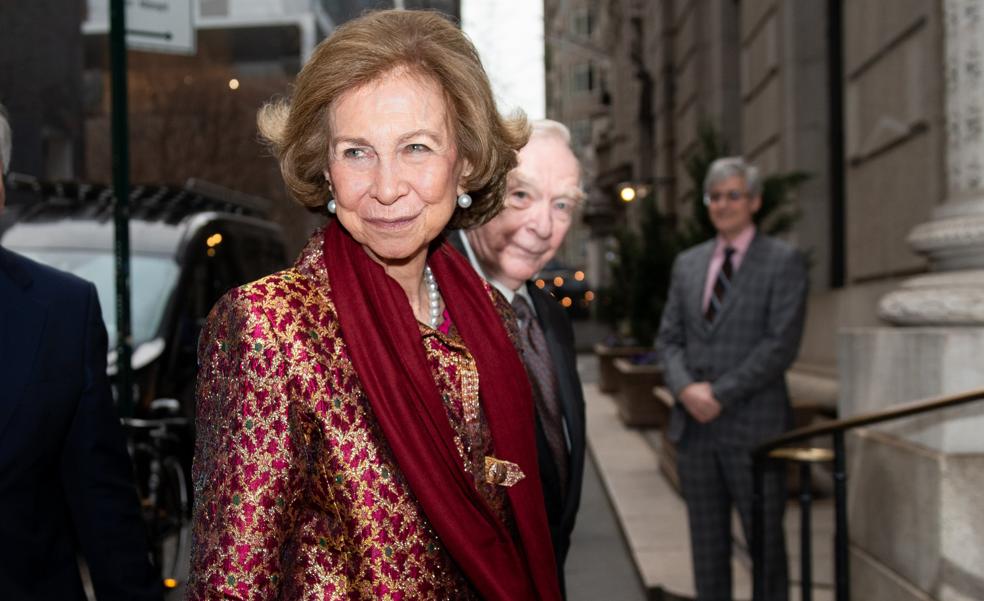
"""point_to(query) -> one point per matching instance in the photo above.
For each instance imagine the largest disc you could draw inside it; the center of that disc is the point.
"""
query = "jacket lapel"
(749, 263)
(568, 389)
(557, 351)
(22, 319)
(695, 304)
(456, 240)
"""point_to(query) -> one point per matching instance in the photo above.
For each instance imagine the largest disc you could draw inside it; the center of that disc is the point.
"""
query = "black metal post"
(758, 528)
(806, 560)
(837, 162)
(841, 558)
(121, 189)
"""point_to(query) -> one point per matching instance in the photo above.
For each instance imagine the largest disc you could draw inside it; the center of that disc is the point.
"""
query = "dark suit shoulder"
(551, 314)
(548, 302)
(780, 254)
(777, 246)
(696, 250)
(44, 280)
(454, 239)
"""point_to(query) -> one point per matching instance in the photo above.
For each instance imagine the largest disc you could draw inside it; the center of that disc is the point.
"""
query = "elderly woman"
(365, 423)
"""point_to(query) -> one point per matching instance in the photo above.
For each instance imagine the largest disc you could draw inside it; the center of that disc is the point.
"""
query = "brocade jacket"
(298, 495)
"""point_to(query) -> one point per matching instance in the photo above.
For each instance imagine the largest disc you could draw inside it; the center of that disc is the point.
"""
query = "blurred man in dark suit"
(730, 330)
(542, 194)
(66, 485)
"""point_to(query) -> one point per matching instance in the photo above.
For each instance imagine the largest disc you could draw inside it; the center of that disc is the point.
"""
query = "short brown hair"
(363, 50)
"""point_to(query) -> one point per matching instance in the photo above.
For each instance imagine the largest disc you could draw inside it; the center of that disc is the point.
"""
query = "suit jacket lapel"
(749, 263)
(557, 352)
(570, 394)
(456, 240)
(702, 261)
(21, 322)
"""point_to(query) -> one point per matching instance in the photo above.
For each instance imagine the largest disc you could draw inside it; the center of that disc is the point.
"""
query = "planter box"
(608, 377)
(667, 450)
(637, 406)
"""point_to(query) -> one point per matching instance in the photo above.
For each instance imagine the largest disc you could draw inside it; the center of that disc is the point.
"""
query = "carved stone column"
(953, 294)
(918, 480)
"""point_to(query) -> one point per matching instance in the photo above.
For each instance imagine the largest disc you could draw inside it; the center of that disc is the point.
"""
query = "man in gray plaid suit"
(730, 329)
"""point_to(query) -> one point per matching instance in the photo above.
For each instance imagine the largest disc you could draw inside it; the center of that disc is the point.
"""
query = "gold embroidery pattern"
(298, 495)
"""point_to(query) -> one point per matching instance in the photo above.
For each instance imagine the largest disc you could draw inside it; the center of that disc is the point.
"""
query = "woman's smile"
(392, 223)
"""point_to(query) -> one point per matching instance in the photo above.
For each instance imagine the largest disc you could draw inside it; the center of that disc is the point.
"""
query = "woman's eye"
(354, 153)
(417, 148)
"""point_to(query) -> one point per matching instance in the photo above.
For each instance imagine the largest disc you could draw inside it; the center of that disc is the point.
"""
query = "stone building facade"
(41, 86)
(577, 91)
(880, 102)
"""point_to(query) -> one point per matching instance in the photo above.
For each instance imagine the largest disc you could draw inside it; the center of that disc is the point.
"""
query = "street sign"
(161, 25)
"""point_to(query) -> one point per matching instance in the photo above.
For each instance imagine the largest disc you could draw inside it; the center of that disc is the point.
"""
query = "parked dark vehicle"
(188, 247)
(569, 287)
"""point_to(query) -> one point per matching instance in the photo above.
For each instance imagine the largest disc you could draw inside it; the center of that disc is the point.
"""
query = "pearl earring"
(464, 201)
(330, 205)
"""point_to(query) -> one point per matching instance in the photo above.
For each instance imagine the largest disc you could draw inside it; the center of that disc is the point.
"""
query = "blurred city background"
(866, 117)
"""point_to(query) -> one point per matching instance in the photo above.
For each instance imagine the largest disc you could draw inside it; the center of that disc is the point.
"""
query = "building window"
(581, 133)
(215, 8)
(606, 96)
(583, 78)
(583, 22)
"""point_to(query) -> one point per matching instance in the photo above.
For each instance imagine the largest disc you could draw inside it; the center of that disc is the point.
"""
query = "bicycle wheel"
(172, 529)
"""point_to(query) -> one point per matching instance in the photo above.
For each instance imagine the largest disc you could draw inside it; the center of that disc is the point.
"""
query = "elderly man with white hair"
(67, 487)
(543, 193)
(730, 330)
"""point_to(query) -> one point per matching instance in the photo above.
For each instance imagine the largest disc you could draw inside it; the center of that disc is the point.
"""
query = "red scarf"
(386, 349)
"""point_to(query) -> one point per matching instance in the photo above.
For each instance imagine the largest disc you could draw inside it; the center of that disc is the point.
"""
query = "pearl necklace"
(434, 295)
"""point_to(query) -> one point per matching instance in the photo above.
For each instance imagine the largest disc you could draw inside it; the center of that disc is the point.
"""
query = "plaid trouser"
(714, 479)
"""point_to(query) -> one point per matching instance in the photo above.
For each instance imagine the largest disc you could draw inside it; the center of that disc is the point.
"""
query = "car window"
(256, 252)
(216, 261)
(152, 280)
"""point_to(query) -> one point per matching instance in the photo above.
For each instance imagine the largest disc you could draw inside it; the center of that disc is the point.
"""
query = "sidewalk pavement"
(653, 517)
(599, 565)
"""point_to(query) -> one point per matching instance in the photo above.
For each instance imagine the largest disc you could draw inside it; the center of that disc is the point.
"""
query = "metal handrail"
(765, 454)
(865, 419)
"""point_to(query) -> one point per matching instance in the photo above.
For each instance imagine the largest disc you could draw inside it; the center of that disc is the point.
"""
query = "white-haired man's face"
(542, 193)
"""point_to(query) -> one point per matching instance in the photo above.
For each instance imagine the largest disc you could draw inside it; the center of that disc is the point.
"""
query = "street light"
(627, 193)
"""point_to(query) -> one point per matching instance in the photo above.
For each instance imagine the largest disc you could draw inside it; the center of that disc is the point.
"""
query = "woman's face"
(393, 165)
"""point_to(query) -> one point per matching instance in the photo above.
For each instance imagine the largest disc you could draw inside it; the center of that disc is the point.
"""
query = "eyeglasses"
(730, 195)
